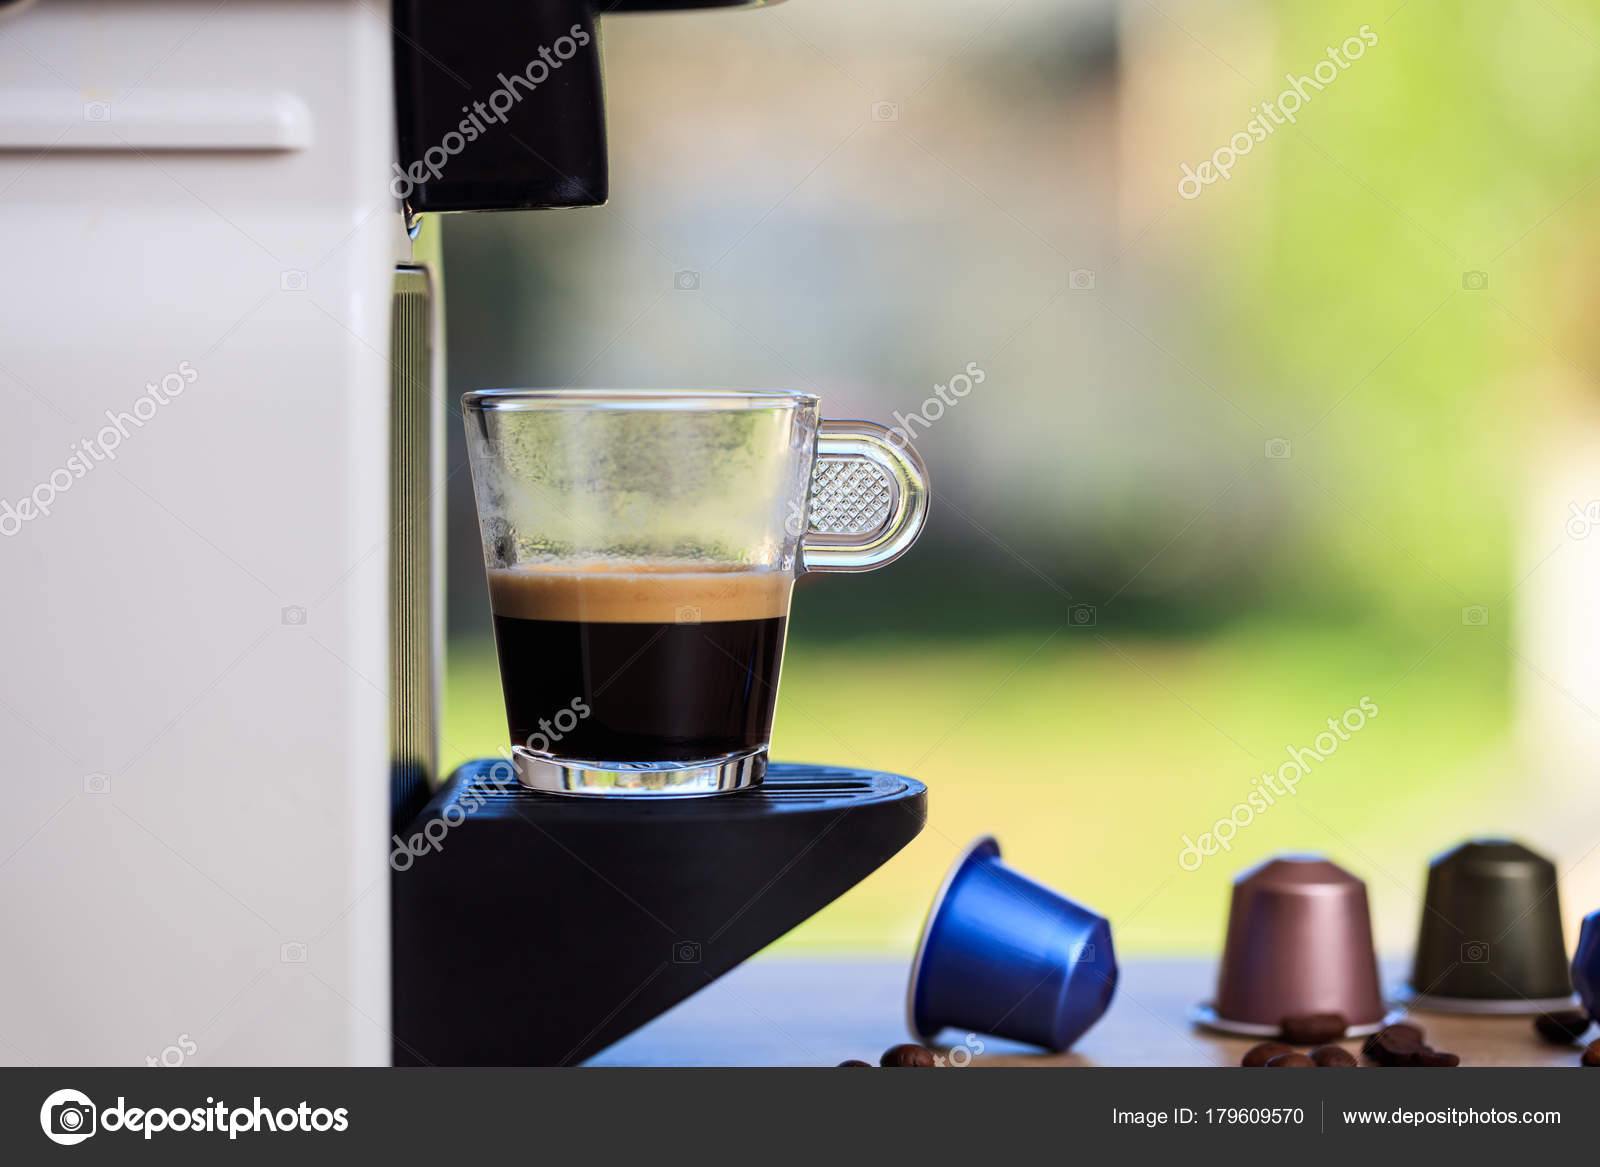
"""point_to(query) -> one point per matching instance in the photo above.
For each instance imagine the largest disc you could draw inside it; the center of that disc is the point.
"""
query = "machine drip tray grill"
(569, 922)
(786, 782)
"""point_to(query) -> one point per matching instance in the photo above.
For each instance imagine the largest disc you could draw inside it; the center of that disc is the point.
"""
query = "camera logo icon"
(1278, 449)
(1082, 616)
(67, 1117)
(294, 952)
(292, 280)
(686, 952)
(97, 111)
(294, 615)
(1475, 281)
(885, 111)
(97, 783)
(686, 281)
(1475, 952)
(687, 614)
(1475, 616)
(1081, 279)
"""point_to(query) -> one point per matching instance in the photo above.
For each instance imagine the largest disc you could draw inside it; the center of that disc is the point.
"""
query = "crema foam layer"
(638, 593)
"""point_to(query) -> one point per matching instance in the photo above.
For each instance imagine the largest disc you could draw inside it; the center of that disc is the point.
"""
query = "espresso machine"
(220, 535)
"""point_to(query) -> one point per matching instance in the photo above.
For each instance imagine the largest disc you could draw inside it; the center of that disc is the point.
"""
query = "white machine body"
(219, 477)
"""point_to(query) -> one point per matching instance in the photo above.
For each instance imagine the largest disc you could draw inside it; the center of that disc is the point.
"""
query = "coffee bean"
(1400, 1029)
(1591, 1056)
(909, 1054)
(1312, 1028)
(855, 1062)
(1333, 1055)
(1402, 1046)
(1290, 1059)
(1395, 1045)
(1395, 1049)
(1563, 1027)
(1257, 1055)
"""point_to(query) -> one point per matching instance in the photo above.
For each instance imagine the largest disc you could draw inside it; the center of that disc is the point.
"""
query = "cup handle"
(868, 498)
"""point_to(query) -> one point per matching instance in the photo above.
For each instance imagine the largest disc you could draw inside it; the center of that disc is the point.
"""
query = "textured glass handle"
(869, 497)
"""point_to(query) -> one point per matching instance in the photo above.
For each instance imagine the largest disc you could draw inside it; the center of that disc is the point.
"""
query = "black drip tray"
(536, 929)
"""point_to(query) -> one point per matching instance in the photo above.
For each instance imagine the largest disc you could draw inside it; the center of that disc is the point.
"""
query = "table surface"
(789, 1012)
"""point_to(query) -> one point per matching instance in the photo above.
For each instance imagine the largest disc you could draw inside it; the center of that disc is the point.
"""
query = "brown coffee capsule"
(1562, 1027)
(1313, 1028)
(855, 1062)
(1591, 1056)
(1299, 942)
(1290, 1060)
(1333, 1055)
(1257, 1055)
(909, 1054)
(1433, 1057)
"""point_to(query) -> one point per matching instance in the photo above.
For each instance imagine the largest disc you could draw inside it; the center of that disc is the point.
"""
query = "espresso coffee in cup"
(638, 662)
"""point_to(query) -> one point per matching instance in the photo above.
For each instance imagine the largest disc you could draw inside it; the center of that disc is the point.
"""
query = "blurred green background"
(1237, 462)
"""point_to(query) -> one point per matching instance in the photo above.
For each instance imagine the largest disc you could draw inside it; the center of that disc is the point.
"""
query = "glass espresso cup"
(641, 548)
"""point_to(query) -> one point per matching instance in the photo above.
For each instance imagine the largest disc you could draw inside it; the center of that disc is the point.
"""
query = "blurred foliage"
(1409, 398)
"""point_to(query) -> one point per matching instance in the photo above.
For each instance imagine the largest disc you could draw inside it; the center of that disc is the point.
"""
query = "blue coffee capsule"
(1003, 955)
(1586, 965)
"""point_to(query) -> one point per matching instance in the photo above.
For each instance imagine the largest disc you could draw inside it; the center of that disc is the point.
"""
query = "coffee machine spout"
(499, 103)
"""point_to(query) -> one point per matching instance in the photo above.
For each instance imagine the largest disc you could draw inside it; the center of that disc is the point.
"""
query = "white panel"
(227, 878)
